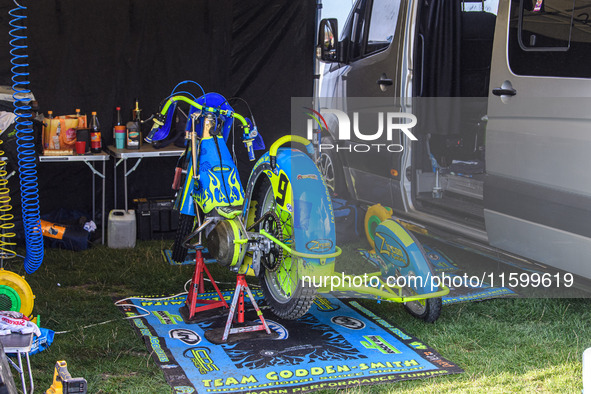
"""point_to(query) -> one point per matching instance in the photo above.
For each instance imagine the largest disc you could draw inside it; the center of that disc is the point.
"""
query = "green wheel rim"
(372, 224)
(9, 299)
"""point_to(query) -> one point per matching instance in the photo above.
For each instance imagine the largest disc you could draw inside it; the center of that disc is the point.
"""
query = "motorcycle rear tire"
(179, 251)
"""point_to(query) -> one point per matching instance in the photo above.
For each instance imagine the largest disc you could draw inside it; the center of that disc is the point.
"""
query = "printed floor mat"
(337, 344)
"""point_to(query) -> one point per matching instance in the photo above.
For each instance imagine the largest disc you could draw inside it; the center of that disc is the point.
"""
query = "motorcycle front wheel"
(285, 292)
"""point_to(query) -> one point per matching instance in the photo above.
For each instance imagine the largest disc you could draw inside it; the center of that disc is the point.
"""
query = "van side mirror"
(328, 33)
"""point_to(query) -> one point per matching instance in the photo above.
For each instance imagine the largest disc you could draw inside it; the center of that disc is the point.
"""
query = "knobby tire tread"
(303, 296)
(179, 251)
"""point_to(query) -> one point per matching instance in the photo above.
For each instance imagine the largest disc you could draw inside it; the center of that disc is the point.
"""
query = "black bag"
(348, 223)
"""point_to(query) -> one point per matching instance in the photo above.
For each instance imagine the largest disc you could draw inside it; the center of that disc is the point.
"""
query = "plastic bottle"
(133, 129)
(79, 117)
(95, 134)
(56, 137)
(138, 120)
(120, 131)
(46, 131)
(35, 110)
(136, 113)
(133, 135)
(118, 120)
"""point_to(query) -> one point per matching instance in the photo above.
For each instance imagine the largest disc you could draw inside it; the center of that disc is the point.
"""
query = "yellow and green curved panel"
(375, 215)
(15, 293)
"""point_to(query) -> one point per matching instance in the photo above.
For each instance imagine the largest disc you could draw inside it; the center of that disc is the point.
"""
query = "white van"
(506, 166)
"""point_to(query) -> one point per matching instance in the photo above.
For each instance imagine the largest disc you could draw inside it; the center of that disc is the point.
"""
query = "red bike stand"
(198, 287)
(238, 315)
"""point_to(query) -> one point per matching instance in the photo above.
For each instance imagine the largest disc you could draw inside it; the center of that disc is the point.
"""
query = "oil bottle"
(133, 129)
(95, 134)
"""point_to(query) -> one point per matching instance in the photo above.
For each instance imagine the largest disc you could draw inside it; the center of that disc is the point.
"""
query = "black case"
(156, 218)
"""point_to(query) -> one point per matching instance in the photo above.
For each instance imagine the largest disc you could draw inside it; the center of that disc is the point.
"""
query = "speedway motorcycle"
(281, 228)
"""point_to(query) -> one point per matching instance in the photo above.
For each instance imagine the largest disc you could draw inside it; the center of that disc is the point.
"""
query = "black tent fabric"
(99, 54)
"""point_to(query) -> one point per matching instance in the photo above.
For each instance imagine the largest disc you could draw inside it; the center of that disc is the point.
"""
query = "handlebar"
(247, 137)
(206, 109)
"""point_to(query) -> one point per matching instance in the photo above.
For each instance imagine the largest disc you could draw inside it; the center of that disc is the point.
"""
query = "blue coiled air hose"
(27, 158)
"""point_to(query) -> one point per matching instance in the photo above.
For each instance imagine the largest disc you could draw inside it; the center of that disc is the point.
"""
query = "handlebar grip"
(250, 149)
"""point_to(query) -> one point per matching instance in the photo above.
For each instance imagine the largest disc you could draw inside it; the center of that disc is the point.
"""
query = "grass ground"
(503, 345)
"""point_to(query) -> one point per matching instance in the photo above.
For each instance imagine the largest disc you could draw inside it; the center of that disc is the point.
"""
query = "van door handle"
(385, 82)
(504, 92)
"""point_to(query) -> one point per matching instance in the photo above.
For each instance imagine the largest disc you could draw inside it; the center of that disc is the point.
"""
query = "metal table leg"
(19, 368)
(21, 371)
(103, 176)
(115, 164)
(29, 371)
(126, 174)
(103, 208)
(125, 183)
(93, 193)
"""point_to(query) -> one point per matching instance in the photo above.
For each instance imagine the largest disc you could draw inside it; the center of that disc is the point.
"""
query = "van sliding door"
(371, 85)
(537, 194)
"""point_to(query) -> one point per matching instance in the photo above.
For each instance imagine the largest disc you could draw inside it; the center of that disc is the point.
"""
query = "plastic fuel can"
(121, 229)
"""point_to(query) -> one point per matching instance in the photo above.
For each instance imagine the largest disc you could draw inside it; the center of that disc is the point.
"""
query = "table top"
(146, 150)
(86, 157)
(16, 342)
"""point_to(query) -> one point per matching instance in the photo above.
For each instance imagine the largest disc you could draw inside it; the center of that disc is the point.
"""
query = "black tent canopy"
(99, 54)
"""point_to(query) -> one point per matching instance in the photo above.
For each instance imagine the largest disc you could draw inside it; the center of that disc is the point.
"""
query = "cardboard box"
(59, 133)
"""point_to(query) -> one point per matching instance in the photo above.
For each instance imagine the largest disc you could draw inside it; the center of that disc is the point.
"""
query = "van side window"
(368, 38)
(382, 25)
(358, 30)
(550, 38)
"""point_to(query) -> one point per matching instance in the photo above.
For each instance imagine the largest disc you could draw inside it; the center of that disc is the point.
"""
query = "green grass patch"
(504, 345)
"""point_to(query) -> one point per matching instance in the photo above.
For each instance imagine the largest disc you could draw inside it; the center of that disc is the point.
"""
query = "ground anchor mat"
(338, 344)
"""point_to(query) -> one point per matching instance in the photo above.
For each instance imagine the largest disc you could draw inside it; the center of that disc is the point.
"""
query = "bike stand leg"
(238, 306)
(198, 287)
(240, 316)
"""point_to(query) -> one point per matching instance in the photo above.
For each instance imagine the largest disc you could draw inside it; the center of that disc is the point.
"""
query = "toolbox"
(156, 218)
